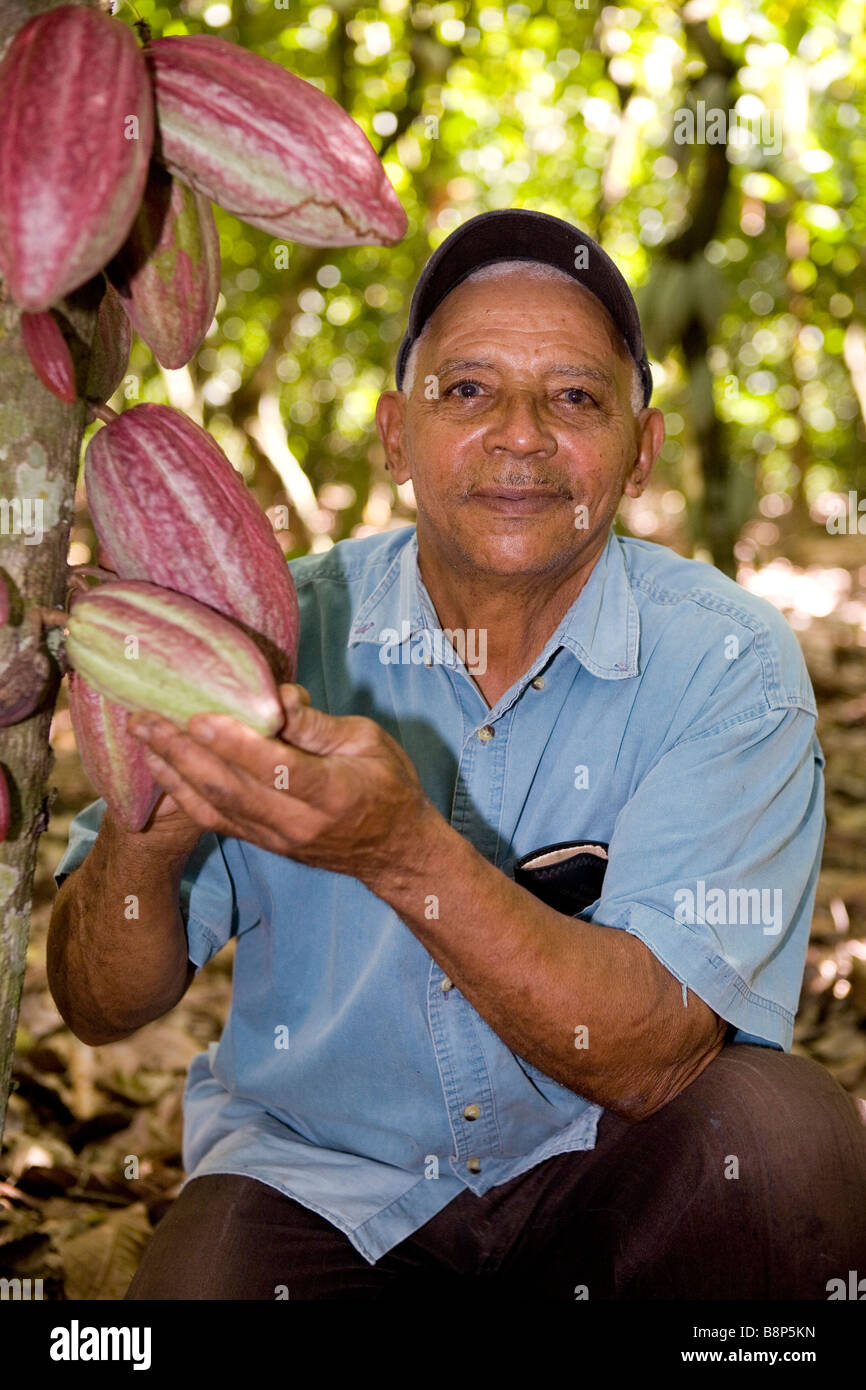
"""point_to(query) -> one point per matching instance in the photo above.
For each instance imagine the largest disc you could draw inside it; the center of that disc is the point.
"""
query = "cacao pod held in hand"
(150, 648)
(113, 759)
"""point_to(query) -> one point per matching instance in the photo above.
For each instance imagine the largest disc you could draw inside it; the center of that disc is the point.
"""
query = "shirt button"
(447, 984)
(485, 733)
(474, 1165)
(472, 1112)
(538, 682)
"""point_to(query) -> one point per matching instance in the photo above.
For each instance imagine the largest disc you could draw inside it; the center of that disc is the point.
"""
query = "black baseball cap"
(520, 234)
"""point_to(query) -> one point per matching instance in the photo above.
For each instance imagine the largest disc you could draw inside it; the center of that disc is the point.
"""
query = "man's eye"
(577, 396)
(466, 390)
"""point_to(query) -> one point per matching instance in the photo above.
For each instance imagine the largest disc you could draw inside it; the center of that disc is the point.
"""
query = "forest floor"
(92, 1153)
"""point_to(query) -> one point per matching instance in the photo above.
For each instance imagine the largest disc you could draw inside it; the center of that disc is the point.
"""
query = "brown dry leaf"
(142, 1088)
(100, 1262)
(841, 1043)
(160, 1046)
(24, 1151)
(15, 1223)
(849, 819)
(155, 1133)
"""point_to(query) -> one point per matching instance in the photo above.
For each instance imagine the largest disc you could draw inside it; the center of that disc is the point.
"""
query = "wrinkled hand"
(334, 792)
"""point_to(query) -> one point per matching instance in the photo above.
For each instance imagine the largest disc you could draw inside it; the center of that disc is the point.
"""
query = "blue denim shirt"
(670, 715)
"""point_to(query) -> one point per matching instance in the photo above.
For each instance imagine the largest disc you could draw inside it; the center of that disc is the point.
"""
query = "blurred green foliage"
(750, 271)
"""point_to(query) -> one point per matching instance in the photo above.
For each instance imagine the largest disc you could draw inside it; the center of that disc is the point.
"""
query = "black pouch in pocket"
(567, 876)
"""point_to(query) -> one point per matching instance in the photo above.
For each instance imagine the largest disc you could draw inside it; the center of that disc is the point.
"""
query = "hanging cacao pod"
(49, 353)
(150, 648)
(76, 134)
(24, 669)
(169, 508)
(113, 759)
(268, 146)
(112, 342)
(167, 272)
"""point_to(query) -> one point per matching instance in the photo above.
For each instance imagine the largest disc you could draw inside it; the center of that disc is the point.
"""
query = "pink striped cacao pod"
(24, 668)
(169, 508)
(151, 648)
(76, 133)
(49, 353)
(268, 146)
(109, 353)
(167, 273)
(4, 806)
(113, 759)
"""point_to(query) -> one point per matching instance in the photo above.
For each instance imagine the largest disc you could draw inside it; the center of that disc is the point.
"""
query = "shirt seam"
(713, 960)
(745, 716)
(761, 632)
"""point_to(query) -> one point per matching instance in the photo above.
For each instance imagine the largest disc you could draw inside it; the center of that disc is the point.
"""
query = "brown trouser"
(751, 1184)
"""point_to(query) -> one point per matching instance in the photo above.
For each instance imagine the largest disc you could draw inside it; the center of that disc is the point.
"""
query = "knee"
(777, 1121)
(761, 1165)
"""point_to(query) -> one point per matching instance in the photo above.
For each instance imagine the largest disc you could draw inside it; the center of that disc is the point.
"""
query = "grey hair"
(539, 271)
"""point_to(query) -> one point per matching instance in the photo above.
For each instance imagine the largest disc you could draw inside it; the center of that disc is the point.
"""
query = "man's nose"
(517, 426)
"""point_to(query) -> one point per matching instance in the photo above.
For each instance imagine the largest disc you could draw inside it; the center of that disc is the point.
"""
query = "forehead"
(525, 313)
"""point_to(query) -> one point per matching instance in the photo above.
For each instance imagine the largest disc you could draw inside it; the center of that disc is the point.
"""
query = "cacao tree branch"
(40, 445)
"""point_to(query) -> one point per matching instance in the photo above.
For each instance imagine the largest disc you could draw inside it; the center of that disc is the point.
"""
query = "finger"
(238, 775)
(144, 721)
(205, 814)
(292, 694)
(314, 731)
(269, 761)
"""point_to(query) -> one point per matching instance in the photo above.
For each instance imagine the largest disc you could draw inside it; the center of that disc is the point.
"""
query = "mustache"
(519, 477)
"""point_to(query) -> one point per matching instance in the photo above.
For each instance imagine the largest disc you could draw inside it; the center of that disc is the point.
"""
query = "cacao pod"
(169, 508)
(112, 342)
(268, 146)
(24, 669)
(49, 353)
(4, 806)
(167, 272)
(150, 648)
(76, 134)
(113, 759)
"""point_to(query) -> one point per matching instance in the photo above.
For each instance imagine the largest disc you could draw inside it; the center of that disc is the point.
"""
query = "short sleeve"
(216, 896)
(714, 864)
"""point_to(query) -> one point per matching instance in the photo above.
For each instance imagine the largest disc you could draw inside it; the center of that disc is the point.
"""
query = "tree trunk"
(40, 445)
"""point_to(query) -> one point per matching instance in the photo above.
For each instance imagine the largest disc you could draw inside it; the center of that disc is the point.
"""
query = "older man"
(519, 949)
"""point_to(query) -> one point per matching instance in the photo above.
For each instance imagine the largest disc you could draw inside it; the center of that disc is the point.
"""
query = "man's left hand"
(334, 792)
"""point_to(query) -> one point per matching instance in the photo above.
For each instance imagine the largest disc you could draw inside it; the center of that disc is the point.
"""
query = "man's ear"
(390, 422)
(651, 437)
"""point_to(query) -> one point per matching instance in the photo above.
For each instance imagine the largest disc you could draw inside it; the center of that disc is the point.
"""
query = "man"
(431, 1074)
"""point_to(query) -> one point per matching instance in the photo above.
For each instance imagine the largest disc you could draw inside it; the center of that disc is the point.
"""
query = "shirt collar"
(602, 627)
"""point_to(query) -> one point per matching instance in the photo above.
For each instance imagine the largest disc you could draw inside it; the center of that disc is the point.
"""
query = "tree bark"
(40, 446)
